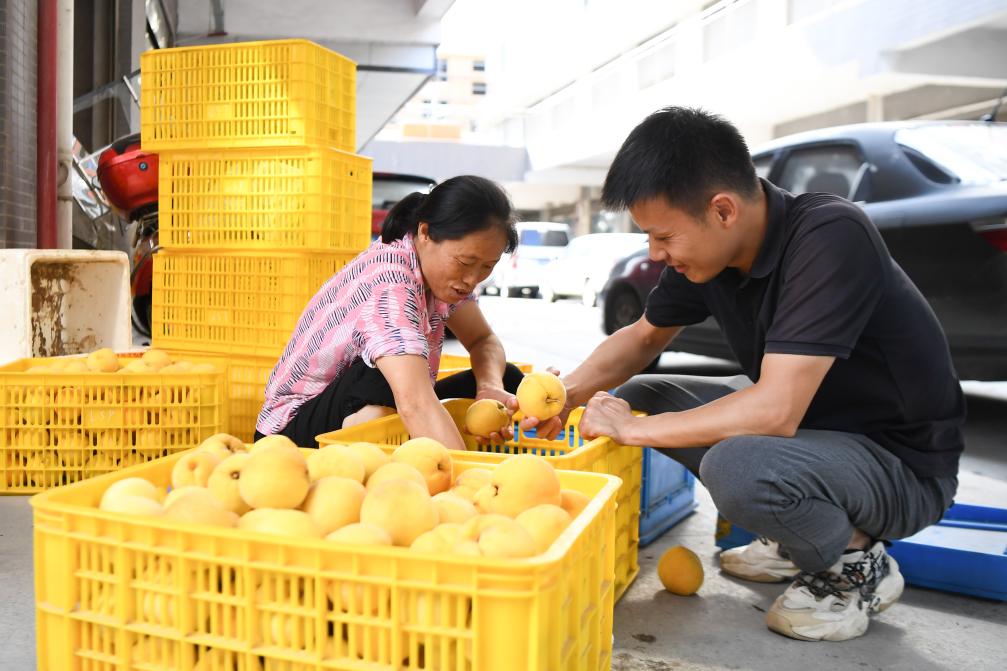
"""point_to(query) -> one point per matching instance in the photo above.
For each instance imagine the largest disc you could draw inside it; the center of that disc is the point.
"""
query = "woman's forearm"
(488, 362)
(430, 420)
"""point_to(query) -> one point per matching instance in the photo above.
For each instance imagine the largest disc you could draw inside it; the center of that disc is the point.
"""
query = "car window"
(829, 169)
(763, 164)
(970, 154)
(536, 238)
(387, 192)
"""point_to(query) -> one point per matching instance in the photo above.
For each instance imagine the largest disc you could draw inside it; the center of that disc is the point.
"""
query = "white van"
(523, 272)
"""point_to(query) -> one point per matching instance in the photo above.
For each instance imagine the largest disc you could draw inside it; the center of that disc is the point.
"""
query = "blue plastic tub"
(667, 495)
(965, 552)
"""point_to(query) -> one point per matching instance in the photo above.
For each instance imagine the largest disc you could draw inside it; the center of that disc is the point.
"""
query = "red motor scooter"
(128, 178)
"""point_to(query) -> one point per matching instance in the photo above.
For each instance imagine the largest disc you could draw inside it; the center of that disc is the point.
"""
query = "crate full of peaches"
(359, 494)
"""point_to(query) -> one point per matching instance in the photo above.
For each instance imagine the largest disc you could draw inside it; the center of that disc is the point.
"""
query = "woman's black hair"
(453, 209)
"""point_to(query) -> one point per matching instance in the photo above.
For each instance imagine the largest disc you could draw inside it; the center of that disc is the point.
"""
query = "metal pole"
(64, 124)
(46, 140)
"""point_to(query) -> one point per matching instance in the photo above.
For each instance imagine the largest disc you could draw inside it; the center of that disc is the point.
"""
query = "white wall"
(579, 76)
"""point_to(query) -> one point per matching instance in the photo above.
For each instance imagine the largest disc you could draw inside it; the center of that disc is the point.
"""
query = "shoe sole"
(757, 577)
(749, 571)
(781, 625)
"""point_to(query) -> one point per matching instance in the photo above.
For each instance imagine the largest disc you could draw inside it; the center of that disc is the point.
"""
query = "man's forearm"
(618, 358)
(746, 412)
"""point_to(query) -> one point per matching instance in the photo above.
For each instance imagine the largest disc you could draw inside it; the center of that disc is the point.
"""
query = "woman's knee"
(512, 378)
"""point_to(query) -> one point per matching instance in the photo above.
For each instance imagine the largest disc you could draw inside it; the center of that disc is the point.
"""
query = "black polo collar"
(776, 224)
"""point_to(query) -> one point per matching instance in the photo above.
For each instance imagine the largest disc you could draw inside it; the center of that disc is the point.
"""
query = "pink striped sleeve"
(390, 323)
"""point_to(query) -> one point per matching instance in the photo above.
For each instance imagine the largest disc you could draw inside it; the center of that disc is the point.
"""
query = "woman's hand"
(510, 401)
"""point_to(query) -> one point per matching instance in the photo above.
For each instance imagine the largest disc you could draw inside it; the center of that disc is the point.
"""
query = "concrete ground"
(722, 626)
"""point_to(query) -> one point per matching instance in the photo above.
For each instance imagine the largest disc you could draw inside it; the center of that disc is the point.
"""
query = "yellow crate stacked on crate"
(115, 591)
(261, 198)
(569, 452)
(280, 93)
(59, 427)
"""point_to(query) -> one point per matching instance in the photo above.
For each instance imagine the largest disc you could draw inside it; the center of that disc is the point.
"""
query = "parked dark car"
(937, 191)
(390, 188)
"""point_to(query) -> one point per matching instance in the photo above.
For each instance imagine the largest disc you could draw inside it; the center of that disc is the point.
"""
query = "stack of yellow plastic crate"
(261, 199)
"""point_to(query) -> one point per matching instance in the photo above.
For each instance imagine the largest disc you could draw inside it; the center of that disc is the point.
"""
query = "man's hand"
(606, 415)
(510, 401)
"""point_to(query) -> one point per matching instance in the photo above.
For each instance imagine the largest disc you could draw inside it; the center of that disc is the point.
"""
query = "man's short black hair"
(684, 154)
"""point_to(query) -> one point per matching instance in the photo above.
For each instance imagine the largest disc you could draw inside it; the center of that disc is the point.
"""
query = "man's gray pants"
(808, 492)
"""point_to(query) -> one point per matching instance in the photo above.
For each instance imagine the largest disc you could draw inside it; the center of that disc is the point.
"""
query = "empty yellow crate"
(453, 363)
(273, 198)
(247, 94)
(569, 451)
(236, 303)
(58, 428)
(120, 592)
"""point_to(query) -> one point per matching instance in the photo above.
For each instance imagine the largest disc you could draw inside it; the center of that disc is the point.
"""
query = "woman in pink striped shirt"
(369, 342)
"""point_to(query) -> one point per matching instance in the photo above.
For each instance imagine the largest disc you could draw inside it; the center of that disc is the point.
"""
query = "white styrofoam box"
(61, 301)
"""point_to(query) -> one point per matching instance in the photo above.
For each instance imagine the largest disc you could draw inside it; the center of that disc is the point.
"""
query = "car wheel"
(622, 308)
(547, 294)
(589, 296)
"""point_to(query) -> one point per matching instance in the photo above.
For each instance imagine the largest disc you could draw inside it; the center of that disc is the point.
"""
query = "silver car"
(540, 243)
(583, 268)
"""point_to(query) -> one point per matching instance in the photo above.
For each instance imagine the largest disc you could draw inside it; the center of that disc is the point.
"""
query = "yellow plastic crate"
(58, 428)
(569, 452)
(278, 93)
(236, 303)
(246, 387)
(270, 199)
(119, 592)
(453, 363)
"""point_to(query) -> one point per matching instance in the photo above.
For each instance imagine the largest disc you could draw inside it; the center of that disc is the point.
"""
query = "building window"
(442, 69)
(729, 27)
(479, 66)
(479, 88)
(802, 9)
(656, 66)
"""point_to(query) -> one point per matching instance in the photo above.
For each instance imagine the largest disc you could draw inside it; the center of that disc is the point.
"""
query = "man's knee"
(641, 394)
(737, 472)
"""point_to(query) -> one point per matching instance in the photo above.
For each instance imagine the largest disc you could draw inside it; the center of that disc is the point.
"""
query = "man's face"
(697, 248)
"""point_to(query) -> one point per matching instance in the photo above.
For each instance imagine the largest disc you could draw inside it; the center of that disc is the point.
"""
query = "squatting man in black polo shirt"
(845, 430)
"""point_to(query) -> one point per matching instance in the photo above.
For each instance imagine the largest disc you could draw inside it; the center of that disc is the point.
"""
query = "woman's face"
(453, 268)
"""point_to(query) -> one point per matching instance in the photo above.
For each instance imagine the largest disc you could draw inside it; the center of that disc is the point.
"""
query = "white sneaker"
(833, 605)
(760, 561)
